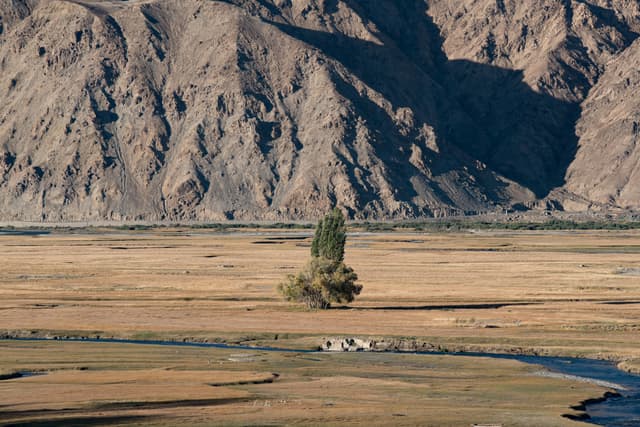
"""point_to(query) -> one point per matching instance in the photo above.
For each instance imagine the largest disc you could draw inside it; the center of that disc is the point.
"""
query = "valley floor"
(557, 293)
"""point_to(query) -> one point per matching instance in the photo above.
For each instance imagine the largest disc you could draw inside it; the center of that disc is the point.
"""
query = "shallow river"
(623, 411)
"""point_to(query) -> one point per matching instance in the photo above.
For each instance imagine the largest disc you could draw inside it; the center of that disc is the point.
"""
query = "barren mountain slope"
(562, 48)
(278, 109)
(607, 165)
(13, 11)
(208, 110)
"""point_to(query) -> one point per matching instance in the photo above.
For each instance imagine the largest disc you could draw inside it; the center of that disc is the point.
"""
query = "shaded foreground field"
(90, 384)
(560, 293)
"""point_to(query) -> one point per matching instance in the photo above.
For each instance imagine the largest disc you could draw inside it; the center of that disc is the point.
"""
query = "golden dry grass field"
(105, 384)
(559, 293)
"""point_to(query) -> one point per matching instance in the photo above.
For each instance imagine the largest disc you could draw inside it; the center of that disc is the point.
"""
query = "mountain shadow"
(527, 136)
(481, 111)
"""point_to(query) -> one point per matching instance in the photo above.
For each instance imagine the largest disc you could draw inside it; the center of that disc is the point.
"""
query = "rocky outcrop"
(348, 345)
(355, 344)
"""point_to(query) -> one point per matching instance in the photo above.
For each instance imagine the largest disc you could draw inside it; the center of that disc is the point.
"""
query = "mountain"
(569, 50)
(607, 165)
(279, 109)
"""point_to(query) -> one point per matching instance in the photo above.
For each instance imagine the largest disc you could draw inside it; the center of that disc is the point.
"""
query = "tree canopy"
(330, 237)
(321, 283)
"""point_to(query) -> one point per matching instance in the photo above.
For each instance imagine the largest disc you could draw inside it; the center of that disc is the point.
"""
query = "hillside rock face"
(609, 131)
(280, 109)
(564, 49)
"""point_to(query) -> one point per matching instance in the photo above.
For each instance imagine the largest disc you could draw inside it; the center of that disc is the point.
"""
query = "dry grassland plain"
(556, 293)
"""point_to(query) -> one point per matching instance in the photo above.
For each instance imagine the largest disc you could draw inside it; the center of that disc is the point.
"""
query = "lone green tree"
(330, 237)
(325, 279)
